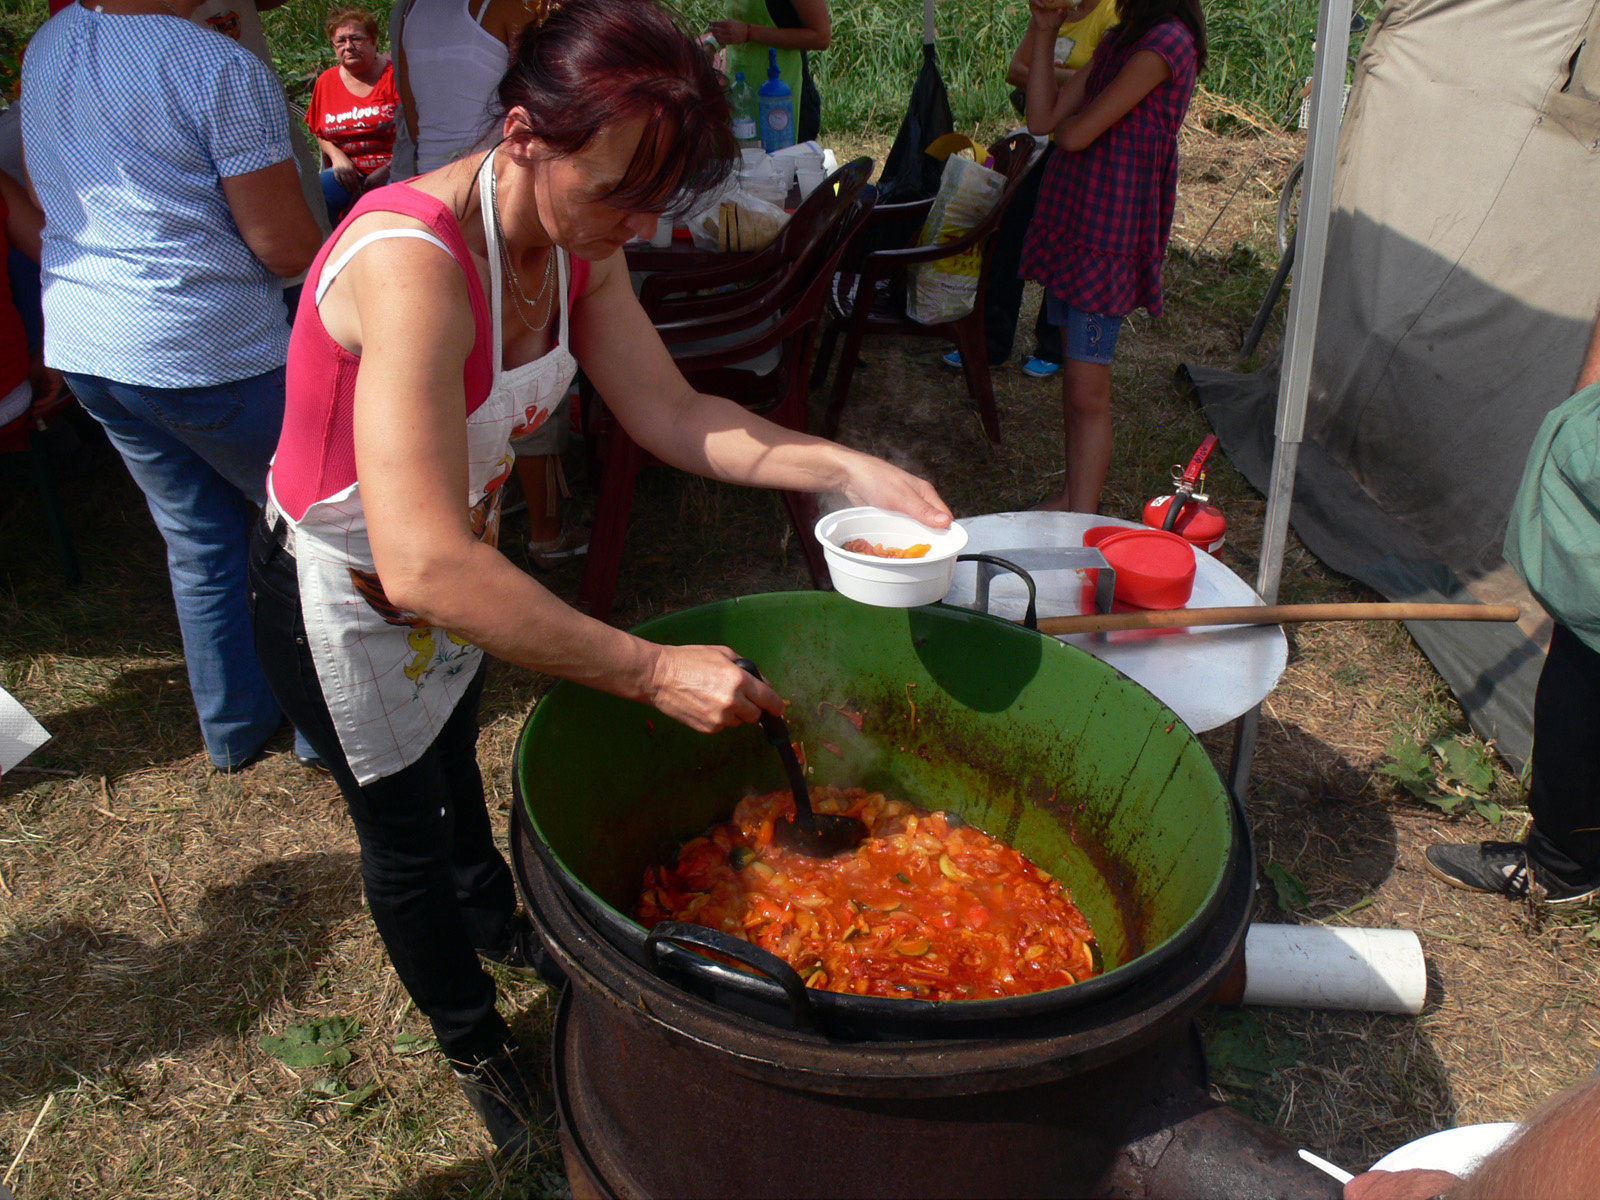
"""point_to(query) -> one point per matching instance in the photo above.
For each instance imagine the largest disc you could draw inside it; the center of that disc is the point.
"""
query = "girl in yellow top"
(1086, 23)
(1081, 32)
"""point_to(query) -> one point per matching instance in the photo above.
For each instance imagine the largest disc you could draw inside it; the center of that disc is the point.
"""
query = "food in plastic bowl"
(889, 582)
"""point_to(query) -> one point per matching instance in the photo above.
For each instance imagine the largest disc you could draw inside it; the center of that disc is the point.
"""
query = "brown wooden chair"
(751, 341)
(869, 294)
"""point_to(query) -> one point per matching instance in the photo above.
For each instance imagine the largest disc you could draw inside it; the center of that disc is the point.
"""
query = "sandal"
(572, 543)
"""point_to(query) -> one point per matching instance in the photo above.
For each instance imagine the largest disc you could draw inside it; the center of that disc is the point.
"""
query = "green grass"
(1261, 50)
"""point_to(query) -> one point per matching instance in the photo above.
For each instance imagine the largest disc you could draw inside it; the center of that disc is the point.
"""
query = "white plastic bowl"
(889, 582)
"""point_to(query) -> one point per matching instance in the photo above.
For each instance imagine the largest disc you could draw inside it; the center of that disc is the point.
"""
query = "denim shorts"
(1087, 337)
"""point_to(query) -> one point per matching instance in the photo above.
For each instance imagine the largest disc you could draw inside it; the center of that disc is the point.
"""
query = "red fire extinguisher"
(1186, 512)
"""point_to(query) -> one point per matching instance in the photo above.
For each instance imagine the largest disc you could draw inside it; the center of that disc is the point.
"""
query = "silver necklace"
(172, 10)
(518, 296)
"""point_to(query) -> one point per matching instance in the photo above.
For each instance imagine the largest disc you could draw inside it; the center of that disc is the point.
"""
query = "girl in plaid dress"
(1099, 233)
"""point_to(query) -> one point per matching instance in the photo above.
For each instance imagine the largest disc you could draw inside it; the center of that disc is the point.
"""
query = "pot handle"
(760, 961)
(1030, 618)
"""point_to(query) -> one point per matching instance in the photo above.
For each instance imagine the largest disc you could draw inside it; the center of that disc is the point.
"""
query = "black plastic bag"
(909, 173)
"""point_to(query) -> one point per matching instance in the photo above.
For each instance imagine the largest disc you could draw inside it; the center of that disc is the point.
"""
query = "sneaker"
(312, 762)
(1501, 868)
(525, 956)
(505, 1091)
(1040, 368)
(953, 359)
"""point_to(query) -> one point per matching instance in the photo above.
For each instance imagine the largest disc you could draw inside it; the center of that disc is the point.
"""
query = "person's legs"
(540, 488)
(1561, 856)
(427, 854)
(485, 891)
(203, 509)
(1091, 340)
(338, 197)
(1564, 791)
(551, 540)
(1047, 337)
(1003, 291)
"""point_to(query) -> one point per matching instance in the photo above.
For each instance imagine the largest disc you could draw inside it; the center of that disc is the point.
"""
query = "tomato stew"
(927, 907)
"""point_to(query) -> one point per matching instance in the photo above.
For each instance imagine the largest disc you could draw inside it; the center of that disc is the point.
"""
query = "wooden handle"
(1275, 614)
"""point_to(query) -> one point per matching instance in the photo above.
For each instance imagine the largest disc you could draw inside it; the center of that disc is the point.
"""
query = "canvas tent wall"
(1461, 285)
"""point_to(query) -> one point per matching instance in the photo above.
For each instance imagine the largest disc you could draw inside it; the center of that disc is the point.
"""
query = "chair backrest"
(822, 226)
(670, 299)
(790, 307)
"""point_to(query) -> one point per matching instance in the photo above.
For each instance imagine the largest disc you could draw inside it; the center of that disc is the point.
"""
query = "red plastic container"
(1198, 523)
(1154, 569)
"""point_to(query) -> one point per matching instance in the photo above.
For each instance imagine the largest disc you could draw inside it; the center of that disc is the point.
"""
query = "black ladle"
(817, 835)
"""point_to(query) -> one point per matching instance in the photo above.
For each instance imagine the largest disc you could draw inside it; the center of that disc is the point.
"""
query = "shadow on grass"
(79, 1002)
(117, 721)
(1347, 1085)
(1315, 815)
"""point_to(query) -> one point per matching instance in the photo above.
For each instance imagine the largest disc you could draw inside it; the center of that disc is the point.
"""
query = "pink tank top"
(316, 455)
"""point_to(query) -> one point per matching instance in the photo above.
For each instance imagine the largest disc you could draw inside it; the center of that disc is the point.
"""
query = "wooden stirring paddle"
(1274, 614)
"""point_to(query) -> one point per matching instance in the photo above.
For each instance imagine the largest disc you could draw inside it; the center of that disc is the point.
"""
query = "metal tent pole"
(1300, 338)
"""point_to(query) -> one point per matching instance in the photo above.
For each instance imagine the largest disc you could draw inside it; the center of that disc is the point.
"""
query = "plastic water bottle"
(746, 130)
(776, 103)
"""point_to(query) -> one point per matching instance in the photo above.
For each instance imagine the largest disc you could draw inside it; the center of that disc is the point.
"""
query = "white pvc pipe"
(1319, 966)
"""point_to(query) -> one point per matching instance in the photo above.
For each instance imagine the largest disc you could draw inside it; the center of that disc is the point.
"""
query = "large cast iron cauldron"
(1029, 739)
(677, 1077)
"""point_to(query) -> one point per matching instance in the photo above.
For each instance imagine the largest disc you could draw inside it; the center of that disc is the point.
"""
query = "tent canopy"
(1459, 293)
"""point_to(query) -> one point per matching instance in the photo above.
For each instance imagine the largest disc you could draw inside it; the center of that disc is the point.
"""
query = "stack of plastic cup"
(809, 178)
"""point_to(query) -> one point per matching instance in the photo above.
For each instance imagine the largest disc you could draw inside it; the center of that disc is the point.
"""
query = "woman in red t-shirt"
(352, 111)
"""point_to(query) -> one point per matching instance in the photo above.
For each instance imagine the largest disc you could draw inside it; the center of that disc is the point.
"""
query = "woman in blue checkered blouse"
(160, 154)
(1100, 228)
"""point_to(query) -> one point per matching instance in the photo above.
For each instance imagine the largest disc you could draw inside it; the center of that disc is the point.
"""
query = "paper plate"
(1455, 1150)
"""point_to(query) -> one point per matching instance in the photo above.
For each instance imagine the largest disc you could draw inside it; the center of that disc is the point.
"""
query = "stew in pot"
(928, 907)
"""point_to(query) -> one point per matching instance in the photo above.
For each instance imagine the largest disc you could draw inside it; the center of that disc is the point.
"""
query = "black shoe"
(506, 1092)
(1501, 868)
(524, 954)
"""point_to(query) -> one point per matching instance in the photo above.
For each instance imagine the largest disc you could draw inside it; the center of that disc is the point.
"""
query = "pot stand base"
(1179, 1145)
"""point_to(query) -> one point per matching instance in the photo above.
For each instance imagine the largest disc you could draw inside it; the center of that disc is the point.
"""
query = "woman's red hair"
(592, 63)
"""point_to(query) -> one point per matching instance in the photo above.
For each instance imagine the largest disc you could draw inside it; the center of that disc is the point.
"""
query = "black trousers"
(1564, 795)
(1003, 292)
(437, 886)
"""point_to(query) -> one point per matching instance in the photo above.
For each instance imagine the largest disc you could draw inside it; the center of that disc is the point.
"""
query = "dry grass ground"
(158, 919)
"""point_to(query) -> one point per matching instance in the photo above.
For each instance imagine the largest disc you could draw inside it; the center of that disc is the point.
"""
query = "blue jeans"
(338, 197)
(1089, 337)
(200, 456)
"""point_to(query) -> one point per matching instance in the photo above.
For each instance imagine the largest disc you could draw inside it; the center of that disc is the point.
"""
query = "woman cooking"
(445, 317)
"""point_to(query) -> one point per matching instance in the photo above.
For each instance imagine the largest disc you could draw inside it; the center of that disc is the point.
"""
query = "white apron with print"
(391, 681)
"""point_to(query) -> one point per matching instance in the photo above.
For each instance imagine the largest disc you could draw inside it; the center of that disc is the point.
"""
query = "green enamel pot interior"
(1030, 740)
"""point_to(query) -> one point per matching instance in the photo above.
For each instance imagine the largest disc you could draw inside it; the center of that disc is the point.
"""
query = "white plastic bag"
(740, 220)
(945, 290)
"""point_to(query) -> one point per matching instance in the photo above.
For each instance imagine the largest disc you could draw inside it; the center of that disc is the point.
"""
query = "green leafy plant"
(1445, 772)
(406, 1044)
(325, 1043)
(320, 1043)
(1239, 1052)
(1291, 892)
